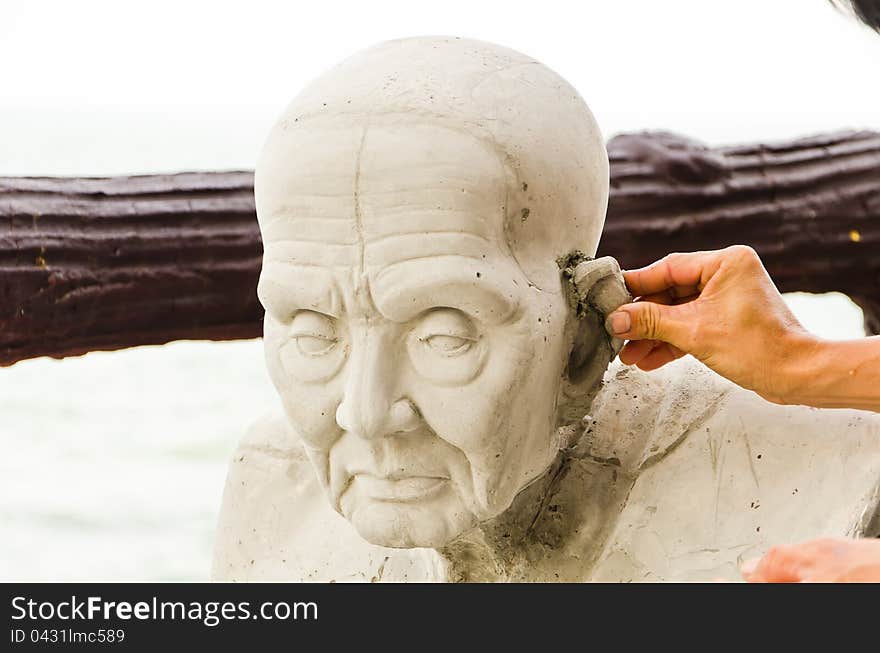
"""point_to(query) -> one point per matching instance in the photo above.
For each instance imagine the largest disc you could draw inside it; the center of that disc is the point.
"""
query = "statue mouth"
(398, 488)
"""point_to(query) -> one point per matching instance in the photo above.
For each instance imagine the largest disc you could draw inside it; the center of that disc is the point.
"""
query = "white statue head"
(413, 203)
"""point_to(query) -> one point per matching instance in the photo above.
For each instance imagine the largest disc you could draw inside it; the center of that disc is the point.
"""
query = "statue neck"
(502, 549)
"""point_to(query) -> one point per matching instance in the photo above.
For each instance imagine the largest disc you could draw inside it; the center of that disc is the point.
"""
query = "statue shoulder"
(270, 454)
(269, 475)
(639, 416)
(272, 435)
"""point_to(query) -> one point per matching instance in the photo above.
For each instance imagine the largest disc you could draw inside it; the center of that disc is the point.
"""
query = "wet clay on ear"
(595, 289)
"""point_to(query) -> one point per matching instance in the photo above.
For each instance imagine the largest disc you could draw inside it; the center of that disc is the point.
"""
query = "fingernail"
(748, 567)
(618, 323)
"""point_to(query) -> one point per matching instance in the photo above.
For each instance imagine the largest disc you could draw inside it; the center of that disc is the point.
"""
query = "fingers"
(659, 356)
(670, 308)
(826, 559)
(649, 355)
(688, 272)
(807, 561)
(781, 564)
(672, 296)
(636, 350)
(651, 321)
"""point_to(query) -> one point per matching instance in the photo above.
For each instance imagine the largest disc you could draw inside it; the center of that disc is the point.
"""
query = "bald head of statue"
(414, 202)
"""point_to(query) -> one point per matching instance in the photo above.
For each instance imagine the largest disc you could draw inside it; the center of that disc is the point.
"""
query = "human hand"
(826, 560)
(722, 307)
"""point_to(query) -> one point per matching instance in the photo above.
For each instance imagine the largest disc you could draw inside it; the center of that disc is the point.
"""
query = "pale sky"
(101, 87)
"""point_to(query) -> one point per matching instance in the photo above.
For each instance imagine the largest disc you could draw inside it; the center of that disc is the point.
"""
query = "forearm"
(836, 374)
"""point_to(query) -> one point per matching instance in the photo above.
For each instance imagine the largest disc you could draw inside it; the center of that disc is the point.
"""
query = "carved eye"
(447, 331)
(314, 345)
(314, 333)
(448, 345)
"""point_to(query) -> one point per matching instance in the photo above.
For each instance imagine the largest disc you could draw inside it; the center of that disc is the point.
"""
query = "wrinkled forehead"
(414, 212)
(395, 185)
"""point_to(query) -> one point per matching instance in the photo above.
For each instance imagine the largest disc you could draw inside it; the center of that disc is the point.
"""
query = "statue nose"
(375, 420)
(370, 405)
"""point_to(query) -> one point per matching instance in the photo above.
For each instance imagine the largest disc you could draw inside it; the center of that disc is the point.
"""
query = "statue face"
(415, 359)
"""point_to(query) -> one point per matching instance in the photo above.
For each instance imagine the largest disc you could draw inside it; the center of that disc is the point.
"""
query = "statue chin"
(409, 526)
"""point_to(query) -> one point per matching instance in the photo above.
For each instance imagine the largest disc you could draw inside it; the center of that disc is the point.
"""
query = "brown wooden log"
(89, 264)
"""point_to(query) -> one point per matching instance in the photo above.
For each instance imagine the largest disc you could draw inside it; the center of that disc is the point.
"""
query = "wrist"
(799, 378)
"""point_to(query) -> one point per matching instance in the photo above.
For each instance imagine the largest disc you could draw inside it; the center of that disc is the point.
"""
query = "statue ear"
(595, 289)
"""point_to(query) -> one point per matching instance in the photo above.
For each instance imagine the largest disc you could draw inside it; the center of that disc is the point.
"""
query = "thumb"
(647, 321)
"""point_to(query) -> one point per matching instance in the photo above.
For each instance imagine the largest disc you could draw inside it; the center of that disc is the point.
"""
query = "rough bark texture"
(88, 264)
